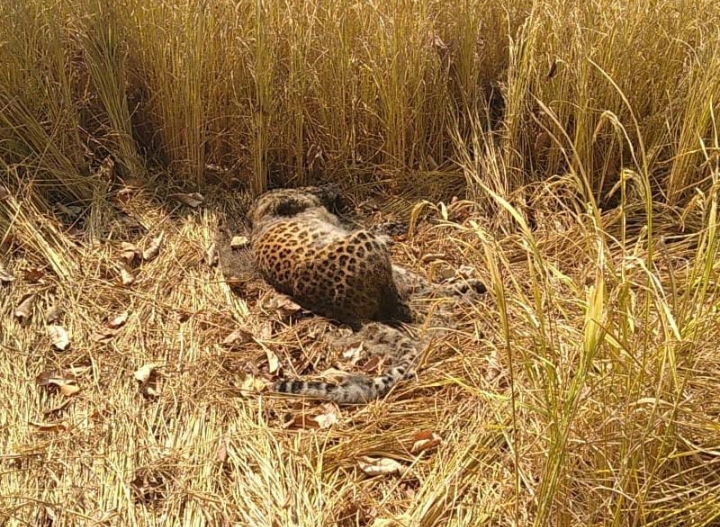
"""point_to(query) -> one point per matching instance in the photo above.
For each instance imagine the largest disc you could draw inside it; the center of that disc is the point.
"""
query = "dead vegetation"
(581, 143)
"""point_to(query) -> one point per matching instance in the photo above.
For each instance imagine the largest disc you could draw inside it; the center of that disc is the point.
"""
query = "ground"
(157, 411)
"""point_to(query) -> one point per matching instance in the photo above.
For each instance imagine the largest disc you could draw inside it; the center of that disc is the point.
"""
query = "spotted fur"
(303, 250)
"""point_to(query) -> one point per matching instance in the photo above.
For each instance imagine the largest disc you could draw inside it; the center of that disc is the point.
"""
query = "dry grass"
(582, 390)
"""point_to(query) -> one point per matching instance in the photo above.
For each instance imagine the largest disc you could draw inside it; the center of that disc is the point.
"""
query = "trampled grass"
(581, 143)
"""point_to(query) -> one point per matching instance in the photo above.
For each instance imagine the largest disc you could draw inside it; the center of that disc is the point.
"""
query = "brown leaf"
(119, 320)
(425, 440)
(106, 169)
(54, 378)
(33, 274)
(328, 417)
(58, 336)
(239, 336)
(221, 453)
(72, 211)
(250, 385)
(272, 358)
(5, 276)
(146, 372)
(50, 427)
(126, 277)
(128, 252)
(24, 309)
(4, 193)
(153, 249)
(104, 335)
(239, 242)
(53, 314)
(211, 256)
(380, 466)
(69, 390)
(194, 199)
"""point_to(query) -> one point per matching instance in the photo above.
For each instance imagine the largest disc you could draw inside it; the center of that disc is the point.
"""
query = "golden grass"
(582, 390)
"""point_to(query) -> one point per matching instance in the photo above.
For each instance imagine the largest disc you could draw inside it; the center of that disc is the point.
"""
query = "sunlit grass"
(581, 142)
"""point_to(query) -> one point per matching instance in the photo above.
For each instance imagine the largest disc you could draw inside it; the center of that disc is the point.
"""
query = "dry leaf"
(194, 199)
(33, 274)
(146, 372)
(126, 277)
(273, 361)
(239, 242)
(329, 416)
(53, 314)
(4, 193)
(282, 305)
(69, 389)
(353, 354)
(119, 320)
(250, 385)
(425, 440)
(5, 276)
(494, 368)
(301, 422)
(221, 453)
(106, 169)
(54, 378)
(72, 211)
(104, 335)
(59, 337)
(211, 256)
(24, 309)
(380, 466)
(128, 252)
(154, 248)
(49, 427)
(239, 336)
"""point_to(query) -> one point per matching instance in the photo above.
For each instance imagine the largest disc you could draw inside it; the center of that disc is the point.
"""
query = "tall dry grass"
(581, 391)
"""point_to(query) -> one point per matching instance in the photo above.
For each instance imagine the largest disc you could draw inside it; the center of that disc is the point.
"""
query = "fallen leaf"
(72, 211)
(106, 169)
(58, 336)
(194, 199)
(266, 331)
(49, 427)
(5, 276)
(380, 466)
(119, 320)
(250, 385)
(53, 314)
(104, 335)
(54, 378)
(282, 305)
(494, 368)
(4, 193)
(272, 358)
(301, 422)
(238, 242)
(425, 440)
(24, 309)
(154, 248)
(126, 277)
(353, 355)
(211, 256)
(221, 453)
(69, 389)
(33, 274)
(145, 372)
(146, 375)
(328, 417)
(128, 252)
(239, 336)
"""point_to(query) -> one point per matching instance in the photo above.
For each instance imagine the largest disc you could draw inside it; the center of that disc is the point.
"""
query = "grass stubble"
(583, 144)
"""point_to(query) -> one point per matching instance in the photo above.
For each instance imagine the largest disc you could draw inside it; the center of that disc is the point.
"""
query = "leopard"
(303, 249)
